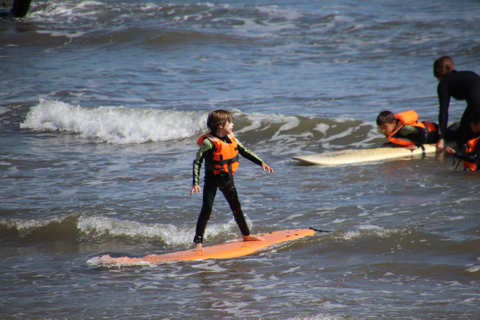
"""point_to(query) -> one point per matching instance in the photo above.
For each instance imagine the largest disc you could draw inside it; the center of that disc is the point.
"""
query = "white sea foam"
(117, 125)
(23, 225)
(170, 234)
(264, 121)
(474, 268)
(319, 317)
(99, 226)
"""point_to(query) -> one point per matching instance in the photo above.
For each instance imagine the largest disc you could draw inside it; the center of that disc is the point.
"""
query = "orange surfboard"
(233, 249)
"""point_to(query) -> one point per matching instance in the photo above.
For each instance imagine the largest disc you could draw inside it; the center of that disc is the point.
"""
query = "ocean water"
(101, 104)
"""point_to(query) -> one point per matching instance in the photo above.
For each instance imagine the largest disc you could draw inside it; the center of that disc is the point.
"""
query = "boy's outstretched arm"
(266, 167)
(247, 154)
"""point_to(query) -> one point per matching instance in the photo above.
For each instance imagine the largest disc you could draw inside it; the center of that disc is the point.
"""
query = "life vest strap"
(213, 164)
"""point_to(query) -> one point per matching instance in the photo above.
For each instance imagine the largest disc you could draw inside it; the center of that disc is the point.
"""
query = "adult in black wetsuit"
(461, 85)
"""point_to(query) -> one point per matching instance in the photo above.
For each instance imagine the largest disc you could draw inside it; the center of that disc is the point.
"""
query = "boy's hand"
(449, 150)
(266, 167)
(196, 189)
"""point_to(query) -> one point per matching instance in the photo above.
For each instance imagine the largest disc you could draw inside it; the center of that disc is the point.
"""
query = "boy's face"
(225, 129)
(387, 128)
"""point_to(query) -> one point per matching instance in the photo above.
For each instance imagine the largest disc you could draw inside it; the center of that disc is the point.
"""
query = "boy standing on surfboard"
(220, 150)
(404, 129)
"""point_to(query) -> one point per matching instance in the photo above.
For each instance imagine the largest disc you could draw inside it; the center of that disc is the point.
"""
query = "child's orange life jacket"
(408, 118)
(225, 155)
(471, 145)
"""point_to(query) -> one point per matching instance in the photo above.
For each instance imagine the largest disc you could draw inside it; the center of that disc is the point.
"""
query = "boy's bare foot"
(252, 238)
(198, 248)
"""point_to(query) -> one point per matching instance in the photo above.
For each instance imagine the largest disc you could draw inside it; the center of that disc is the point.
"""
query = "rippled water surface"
(101, 106)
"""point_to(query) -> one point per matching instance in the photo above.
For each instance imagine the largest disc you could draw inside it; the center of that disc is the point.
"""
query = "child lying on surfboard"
(470, 153)
(220, 150)
(404, 129)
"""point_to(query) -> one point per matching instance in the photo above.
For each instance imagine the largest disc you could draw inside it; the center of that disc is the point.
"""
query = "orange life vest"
(409, 118)
(225, 155)
(471, 145)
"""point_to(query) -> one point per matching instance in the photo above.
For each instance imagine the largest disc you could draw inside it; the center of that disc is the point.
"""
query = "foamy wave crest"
(117, 125)
(24, 225)
(171, 235)
(100, 226)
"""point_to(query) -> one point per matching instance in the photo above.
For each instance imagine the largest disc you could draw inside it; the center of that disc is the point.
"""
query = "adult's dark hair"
(442, 66)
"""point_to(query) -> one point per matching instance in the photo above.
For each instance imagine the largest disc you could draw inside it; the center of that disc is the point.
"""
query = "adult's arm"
(444, 103)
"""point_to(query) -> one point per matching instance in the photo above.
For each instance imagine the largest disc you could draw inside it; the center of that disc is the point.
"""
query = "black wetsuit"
(461, 85)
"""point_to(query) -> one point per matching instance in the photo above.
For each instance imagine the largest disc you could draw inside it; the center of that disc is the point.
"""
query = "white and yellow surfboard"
(364, 155)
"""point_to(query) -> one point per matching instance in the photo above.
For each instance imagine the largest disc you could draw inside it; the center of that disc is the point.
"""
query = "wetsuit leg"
(209, 192)
(20, 8)
(452, 131)
(230, 193)
(464, 132)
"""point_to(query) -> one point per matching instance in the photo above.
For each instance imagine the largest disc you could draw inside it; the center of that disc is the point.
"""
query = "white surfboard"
(364, 155)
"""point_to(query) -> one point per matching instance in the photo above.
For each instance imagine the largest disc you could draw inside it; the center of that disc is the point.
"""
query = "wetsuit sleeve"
(471, 157)
(205, 149)
(414, 134)
(444, 102)
(247, 154)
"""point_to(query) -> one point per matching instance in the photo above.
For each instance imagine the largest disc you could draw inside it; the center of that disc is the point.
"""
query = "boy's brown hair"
(442, 66)
(385, 117)
(218, 118)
